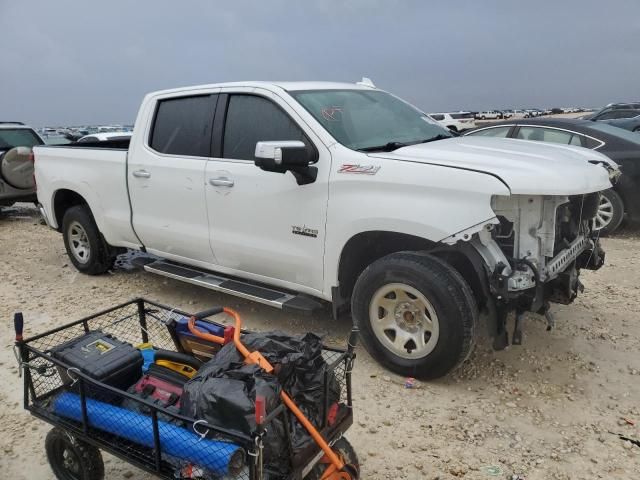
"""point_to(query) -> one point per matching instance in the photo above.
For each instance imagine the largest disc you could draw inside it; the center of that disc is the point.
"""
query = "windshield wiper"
(437, 137)
(387, 147)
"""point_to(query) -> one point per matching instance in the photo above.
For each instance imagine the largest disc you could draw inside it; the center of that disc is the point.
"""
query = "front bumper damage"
(534, 254)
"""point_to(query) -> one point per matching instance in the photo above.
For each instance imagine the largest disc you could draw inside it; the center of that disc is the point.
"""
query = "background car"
(456, 121)
(616, 110)
(632, 124)
(487, 115)
(621, 146)
(104, 136)
(16, 166)
(531, 113)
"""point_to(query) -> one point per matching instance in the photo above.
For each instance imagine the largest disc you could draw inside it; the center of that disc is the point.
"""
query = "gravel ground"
(545, 410)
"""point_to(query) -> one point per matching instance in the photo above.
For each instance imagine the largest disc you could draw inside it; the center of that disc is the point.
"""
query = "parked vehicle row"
(302, 194)
(619, 145)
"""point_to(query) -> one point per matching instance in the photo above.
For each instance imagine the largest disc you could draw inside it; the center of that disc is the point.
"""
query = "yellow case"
(185, 370)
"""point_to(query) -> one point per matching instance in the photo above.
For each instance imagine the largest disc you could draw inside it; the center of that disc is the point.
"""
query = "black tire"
(617, 212)
(483, 117)
(72, 459)
(449, 296)
(349, 457)
(453, 128)
(98, 258)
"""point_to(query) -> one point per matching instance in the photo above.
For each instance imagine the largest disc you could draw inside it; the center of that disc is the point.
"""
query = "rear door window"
(577, 140)
(501, 132)
(182, 126)
(540, 134)
(252, 119)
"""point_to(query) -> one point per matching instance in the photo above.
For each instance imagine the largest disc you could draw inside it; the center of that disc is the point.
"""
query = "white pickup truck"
(300, 194)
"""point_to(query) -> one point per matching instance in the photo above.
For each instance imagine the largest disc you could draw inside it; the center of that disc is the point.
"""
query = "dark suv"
(616, 110)
(16, 166)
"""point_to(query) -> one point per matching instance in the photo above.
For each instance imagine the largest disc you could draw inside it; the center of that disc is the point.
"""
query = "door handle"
(141, 174)
(221, 182)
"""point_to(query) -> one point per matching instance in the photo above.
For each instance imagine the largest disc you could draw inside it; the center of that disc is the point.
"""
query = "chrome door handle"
(141, 174)
(221, 182)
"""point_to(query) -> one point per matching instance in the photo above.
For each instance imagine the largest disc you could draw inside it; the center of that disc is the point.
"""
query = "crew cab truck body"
(297, 194)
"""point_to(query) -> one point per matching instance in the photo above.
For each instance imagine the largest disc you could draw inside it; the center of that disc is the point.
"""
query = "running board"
(239, 288)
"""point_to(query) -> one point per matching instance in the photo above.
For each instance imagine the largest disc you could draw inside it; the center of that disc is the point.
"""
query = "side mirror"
(285, 153)
(281, 156)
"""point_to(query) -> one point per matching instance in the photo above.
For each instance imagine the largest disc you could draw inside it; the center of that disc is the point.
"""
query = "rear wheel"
(416, 314)
(72, 459)
(85, 246)
(610, 213)
(344, 449)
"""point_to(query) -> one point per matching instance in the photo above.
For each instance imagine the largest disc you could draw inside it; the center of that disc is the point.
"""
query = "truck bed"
(98, 174)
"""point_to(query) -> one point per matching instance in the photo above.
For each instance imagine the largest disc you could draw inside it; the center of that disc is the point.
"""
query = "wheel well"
(453, 127)
(365, 248)
(63, 201)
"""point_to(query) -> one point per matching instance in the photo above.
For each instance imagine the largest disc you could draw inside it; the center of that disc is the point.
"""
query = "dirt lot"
(545, 410)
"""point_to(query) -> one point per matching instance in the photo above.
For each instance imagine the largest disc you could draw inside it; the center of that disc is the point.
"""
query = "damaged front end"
(533, 256)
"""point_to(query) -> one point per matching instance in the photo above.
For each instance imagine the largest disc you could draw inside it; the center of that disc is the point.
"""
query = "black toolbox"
(102, 357)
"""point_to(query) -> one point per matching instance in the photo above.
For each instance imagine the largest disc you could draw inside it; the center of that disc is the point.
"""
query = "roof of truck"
(289, 86)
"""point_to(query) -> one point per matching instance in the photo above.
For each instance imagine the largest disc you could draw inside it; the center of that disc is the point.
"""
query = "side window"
(251, 119)
(544, 135)
(577, 140)
(501, 132)
(613, 114)
(591, 143)
(436, 116)
(182, 126)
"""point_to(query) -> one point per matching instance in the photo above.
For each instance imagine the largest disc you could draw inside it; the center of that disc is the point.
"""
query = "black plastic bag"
(223, 392)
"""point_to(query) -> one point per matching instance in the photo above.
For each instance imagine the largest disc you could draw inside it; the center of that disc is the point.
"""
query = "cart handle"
(18, 325)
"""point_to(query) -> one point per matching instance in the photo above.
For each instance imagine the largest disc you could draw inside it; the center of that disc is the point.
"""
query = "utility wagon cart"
(101, 410)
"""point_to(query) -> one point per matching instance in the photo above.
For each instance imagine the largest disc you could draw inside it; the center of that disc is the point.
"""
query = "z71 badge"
(361, 169)
(304, 230)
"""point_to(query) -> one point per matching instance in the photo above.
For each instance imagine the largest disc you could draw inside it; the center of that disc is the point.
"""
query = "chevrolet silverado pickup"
(302, 194)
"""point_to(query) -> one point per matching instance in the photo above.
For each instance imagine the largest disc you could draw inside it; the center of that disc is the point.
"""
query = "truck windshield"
(369, 120)
(17, 137)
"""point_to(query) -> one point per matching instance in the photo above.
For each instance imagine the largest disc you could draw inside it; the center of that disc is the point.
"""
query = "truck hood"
(526, 167)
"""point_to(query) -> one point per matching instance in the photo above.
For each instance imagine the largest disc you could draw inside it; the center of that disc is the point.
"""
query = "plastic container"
(102, 357)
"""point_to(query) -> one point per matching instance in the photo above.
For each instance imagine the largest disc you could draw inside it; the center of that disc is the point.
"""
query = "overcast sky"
(86, 62)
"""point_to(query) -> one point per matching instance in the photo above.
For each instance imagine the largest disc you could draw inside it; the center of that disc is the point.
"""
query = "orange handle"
(200, 334)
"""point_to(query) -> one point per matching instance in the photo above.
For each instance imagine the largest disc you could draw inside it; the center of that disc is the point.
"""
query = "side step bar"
(239, 288)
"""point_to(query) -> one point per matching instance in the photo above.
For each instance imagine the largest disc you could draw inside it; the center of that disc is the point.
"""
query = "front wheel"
(416, 314)
(72, 459)
(344, 449)
(610, 213)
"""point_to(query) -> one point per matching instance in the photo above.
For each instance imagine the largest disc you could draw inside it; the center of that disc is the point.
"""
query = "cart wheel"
(72, 459)
(348, 454)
